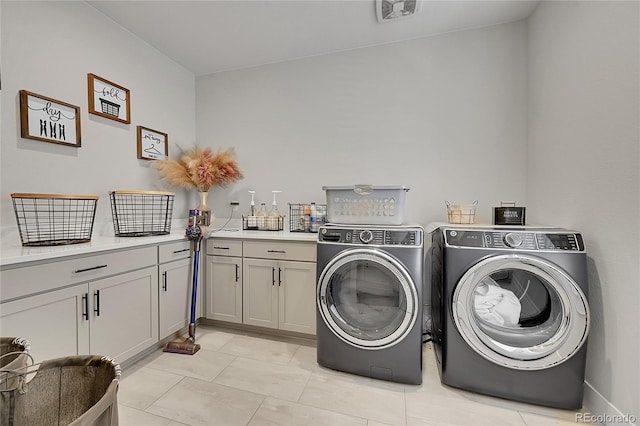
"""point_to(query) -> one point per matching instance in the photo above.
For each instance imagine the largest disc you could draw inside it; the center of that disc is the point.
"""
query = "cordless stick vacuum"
(193, 233)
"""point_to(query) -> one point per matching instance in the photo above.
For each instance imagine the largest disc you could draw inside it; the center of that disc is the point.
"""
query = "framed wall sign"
(108, 99)
(152, 144)
(49, 120)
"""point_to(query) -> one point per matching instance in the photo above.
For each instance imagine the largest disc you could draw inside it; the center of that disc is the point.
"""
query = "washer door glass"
(520, 311)
(367, 298)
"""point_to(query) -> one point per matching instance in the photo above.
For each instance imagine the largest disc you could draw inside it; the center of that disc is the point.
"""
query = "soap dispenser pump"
(274, 212)
(252, 222)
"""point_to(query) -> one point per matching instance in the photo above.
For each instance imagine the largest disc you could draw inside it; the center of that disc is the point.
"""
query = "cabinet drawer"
(20, 282)
(174, 251)
(304, 251)
(224, 247)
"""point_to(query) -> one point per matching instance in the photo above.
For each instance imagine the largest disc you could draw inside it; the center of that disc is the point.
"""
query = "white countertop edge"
(264, 235)
(13, 253)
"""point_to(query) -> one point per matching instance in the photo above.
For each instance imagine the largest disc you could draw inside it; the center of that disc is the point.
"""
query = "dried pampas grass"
(201, 168)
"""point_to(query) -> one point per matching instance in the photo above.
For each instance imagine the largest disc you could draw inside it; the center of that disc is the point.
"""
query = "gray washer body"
(459, 365)
(401, 362)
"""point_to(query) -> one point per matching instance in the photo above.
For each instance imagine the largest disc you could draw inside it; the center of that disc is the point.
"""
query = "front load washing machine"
(369, 301)
(510, 312)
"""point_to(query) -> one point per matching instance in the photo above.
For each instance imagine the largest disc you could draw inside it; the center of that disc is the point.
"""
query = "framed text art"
(152, 144)
(49, 120)
(108, 99)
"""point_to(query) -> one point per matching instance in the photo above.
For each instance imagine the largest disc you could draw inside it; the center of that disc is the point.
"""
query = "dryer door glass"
(521, 311)
(367, 299)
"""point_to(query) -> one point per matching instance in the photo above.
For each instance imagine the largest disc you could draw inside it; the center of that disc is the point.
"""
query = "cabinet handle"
(221, 248)
(97, 308)
(180, 251)
(279, 277)
(85, 310)
(77, 271)
(273, 276)
(164, 281)
(237, 272)
(276, 251)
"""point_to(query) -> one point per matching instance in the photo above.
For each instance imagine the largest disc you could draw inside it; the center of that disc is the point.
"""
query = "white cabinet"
(93, 304)
(56, 323)
(262, 283)
(174, 293)
(124, 314)
(224, 280)
(279, 293)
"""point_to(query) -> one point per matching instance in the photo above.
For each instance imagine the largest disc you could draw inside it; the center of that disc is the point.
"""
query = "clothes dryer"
(510, 312)
(369, 301)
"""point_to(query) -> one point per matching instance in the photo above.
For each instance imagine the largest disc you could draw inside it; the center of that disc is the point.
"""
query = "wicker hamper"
(14, 356)
(74, 390)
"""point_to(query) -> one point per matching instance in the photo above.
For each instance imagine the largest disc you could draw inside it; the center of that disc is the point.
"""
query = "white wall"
(583, 172)
(48, 48)
(445, 115)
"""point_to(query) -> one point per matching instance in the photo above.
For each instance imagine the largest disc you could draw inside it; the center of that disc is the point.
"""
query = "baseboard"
(305, 339)
(601, 411)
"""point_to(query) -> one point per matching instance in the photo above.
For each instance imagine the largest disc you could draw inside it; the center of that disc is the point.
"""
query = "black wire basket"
(141, 213)
(301, 220)
(54, 219)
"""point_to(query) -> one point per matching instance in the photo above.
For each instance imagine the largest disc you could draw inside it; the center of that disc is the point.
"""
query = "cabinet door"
(55, 323)
(224, 288)
(260, 292)
(297, 297)
(174, 296)
(124, 316)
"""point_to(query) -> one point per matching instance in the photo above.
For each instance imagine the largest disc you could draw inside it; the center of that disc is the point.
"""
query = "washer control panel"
(515, 239)
(371, 236)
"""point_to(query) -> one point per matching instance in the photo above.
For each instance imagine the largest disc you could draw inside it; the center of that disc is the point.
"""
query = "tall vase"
(205, 211)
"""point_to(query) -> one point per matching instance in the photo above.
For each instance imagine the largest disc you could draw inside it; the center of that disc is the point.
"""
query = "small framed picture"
(49, 120)
(152, 144)
(108, 99)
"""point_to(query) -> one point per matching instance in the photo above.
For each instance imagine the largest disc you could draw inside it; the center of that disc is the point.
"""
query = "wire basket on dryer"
(461, 213)
(141, 213)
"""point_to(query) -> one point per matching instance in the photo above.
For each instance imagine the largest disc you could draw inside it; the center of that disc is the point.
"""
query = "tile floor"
(242, 378)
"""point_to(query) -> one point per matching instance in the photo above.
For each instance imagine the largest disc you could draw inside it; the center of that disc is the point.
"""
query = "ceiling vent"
(392, 10)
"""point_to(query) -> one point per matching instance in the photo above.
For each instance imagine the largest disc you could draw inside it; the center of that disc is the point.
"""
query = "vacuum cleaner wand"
(193, 233)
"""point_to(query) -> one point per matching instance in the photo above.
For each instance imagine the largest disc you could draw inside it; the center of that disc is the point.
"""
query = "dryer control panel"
(514, 239)
(371, 236)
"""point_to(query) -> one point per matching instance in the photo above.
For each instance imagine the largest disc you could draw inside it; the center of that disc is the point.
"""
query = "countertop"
(12, 252)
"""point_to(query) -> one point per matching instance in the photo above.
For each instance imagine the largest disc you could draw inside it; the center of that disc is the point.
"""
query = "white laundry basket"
(366, 204)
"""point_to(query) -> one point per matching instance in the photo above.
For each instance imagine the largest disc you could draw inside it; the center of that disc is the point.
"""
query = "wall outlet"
(234, 205)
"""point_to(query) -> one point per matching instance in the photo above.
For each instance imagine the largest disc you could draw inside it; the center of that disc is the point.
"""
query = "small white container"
(461, 213)
(366, 204)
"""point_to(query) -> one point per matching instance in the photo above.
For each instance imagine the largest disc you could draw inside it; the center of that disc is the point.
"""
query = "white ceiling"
(219, 35)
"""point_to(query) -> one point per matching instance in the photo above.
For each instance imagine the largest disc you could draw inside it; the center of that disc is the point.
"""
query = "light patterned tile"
(416, 421)
(203, 365)
(444, 410)
(144, 386)
(260, 349)
(539, 420)
(306, 357)
(280, 381)
(433, 386)
(128, 416)
(566, 415)
(213, 340)
(276, 412)
(375, 423)
(360, 397)
(195, 402)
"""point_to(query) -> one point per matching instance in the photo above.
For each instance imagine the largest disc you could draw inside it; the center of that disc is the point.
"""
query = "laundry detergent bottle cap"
(263, 210)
